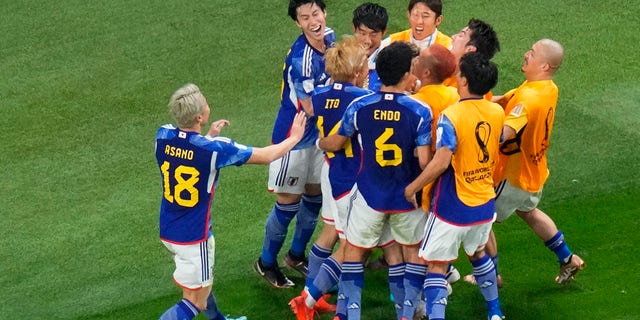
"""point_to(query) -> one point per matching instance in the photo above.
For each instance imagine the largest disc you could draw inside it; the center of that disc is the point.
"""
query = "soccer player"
(295, 178)
(463, 207)
(189, 166)
(478, 36)
(393, 128)
(433, 66)
(347, 64)
(424, 18)
(530, 110)
(369, 26)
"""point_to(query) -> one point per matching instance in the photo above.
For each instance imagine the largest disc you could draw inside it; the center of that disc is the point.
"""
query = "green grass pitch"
(83, 88)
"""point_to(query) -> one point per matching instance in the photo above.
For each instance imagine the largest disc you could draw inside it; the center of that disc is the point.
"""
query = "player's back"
(329, 104)
(189, 166)
(391, 126)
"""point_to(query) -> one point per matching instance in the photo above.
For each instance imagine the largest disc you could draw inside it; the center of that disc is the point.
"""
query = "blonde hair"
(185, 104)
(345, 59)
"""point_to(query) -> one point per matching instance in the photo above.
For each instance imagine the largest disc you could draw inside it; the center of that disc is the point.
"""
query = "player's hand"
(410, 195)
(298, 126)
(217, 126)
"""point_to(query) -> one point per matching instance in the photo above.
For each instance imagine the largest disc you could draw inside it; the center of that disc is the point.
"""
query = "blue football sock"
(183, 310)
(559, 247)
(435, 292)
(396, 286)
(341, 303)
(485, 274)
(352, 281)
(306, 220)
(414, 275)
(327, 278)
(276, 231)
(317, 256)
(212, 311)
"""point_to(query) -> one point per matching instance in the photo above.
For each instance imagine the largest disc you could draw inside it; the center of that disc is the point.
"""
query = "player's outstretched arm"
(275, 151)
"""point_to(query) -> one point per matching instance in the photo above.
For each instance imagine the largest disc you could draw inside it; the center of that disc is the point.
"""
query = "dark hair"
(372, 15)
(295, 4)
(481, 73)
(434, 5)
(394, 61)
(484, 38)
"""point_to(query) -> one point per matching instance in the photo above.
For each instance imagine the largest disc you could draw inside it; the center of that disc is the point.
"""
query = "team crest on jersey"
(292, 181)
(517, 110)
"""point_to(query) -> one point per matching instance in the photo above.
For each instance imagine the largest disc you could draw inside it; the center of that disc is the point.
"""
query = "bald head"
(553, 52)
(439, 61)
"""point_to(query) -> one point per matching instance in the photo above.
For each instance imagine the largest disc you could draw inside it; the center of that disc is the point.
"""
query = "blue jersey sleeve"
(424, 130)
(348, 126)
(227, 151)
(446, 134)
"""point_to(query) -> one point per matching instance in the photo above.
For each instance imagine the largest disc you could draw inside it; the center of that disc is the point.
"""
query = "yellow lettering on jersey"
(386, 115)
(178, 153)
(347, 147)
(332, 104)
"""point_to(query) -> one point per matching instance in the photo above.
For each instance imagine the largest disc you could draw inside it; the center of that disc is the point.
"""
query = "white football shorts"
(194, 263)
(442, 240)
(365, 225)
(334, 212)
(294, 170)
(509, 199)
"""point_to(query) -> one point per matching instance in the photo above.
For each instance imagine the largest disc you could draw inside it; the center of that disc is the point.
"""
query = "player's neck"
(395, 89)
(196, 128)
(318, 45)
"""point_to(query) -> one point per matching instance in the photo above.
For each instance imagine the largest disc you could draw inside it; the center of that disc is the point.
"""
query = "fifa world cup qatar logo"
(483, 133)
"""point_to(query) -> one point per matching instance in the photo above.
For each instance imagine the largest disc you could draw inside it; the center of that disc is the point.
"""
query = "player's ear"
(438, 20)
(470, 48)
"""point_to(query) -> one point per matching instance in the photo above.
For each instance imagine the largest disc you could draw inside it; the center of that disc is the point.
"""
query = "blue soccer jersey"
(303, 71)
(189, 165)
(391, 126)
(373, 80)
(329, 104)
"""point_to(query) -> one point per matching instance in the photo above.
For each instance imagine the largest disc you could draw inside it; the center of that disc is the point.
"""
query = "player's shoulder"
(322, 90)
(330, 35)
(357, 91)
(166, 131)
(416, 105)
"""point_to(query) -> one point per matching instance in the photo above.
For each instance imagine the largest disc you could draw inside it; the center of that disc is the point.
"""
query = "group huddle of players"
(398, 141)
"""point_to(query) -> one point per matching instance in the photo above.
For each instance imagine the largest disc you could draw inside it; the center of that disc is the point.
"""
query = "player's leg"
(408, 229)
(483, 269)
(392, 253)
(508, 199)
(439, 248)
(194, 274)
(491, 248)
(363, 230)
(285, 182)
(553, 238)
(307, 215)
